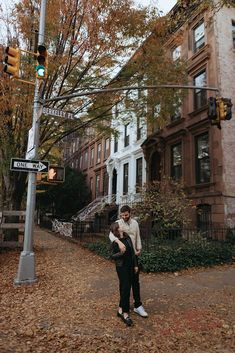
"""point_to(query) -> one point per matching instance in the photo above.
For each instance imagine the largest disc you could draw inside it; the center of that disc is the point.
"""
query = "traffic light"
(224, 107)
(213, 111)
(12, 61)
(42, 67)
(222, 110)
(212, 108)
(56, 174)
(219, 109)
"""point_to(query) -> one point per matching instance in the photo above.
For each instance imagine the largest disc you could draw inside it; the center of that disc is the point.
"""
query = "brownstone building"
(189, 147)
(88, 155)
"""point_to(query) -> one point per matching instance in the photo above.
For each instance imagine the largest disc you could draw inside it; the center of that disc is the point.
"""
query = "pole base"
(26, 269)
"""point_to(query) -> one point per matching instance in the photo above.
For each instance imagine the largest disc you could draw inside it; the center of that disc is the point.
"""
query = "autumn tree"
(86, 41)
(164, 203)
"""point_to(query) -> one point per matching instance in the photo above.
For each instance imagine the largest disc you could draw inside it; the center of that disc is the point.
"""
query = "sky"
(163, 5)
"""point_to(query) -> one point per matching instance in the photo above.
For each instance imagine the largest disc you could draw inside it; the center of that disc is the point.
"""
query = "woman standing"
(126, 266)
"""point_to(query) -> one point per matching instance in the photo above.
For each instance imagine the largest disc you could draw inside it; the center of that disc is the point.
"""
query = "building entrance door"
(114, 183)
(155, 167)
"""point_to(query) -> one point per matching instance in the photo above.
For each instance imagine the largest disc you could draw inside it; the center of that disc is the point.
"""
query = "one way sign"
(24, 165)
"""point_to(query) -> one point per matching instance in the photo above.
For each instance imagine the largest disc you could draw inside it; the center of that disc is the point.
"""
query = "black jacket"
(126, 258)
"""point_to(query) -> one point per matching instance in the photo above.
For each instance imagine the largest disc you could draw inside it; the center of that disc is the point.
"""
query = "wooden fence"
(12, 225)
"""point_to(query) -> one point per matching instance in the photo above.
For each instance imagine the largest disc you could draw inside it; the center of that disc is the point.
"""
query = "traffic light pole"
(26, 269)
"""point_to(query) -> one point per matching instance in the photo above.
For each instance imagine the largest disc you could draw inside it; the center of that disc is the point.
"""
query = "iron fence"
(90, 232)
(151, 237)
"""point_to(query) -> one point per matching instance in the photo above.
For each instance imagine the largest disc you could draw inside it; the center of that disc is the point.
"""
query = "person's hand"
(136, 269)
(121, 247)
(138, 252)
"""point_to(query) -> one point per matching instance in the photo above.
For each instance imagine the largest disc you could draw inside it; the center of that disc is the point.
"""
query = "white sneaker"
(140, 310)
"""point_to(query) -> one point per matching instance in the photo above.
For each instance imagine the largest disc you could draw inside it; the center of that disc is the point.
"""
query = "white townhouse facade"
(126, 165)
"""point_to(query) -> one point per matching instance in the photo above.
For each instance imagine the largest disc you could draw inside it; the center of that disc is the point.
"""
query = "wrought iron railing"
(150, 236)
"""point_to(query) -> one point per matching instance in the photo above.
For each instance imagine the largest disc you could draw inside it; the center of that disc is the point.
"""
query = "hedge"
(171, 258)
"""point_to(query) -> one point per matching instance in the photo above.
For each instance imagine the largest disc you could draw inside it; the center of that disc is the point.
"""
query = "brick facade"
(214, 193)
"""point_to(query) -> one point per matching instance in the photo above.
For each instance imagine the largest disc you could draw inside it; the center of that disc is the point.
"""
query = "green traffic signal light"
(41, 69)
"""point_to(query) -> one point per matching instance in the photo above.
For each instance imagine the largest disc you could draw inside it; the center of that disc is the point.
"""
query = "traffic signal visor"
(41, 68)
(12, 61)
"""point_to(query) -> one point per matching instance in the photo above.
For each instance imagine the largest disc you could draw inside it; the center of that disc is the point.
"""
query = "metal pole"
(127, 88)
(26, 269)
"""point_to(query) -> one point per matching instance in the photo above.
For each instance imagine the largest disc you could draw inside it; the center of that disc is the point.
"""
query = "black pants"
(128, 279)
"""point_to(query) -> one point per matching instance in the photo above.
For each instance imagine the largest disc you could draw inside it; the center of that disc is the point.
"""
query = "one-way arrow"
(24, 165)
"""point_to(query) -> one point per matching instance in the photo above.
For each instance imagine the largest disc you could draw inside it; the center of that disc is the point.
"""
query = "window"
(139, 134)
(86, 159)
(198, 37)
(204, 221)
(202, 159)
(176, 161)
(131, 96)
(106, 149)
(97, 185)
(139, 173)
(126, 135)
(91, 185)
(177, 114)
(115, 148)
(233, 33)
(125, 178)
(157, 110)
(98, 157)
(73, 146)
(105, 183)
(200, 96)
(92, 157)
(176, 53)
(116, 110)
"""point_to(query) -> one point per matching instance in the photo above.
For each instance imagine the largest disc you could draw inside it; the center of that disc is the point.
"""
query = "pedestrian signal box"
(56, 174)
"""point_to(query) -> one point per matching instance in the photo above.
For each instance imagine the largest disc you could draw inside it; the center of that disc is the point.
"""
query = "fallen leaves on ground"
(72, 307)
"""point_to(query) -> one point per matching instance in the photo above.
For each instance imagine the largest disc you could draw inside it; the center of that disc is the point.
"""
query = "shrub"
(100, 248)
(188, 254)
(171, 256)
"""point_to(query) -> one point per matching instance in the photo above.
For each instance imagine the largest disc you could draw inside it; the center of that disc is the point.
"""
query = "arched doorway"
(155, 167)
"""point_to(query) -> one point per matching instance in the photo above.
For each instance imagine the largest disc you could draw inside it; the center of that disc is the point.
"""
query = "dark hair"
(114, 228)
(125, 208)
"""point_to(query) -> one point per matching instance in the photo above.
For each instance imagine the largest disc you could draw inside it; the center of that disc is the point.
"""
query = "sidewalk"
(72, 307)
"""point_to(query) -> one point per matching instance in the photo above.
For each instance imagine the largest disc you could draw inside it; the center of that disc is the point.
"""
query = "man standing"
(131, 227)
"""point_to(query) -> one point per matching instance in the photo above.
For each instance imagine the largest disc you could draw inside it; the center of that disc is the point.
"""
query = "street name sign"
(24, 165)
(30, 139)
(57, 112)
(30, 154)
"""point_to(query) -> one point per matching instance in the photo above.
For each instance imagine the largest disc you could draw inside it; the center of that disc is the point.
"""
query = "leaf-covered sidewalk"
(72, 307)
